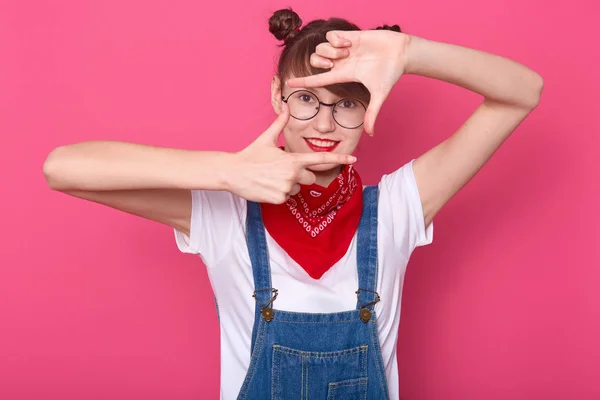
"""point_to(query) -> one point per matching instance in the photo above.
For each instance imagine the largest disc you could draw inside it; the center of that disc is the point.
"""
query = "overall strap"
(259, 257)
(366, 251)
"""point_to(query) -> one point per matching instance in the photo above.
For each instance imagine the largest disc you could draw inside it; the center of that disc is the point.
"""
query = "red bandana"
(315, 226)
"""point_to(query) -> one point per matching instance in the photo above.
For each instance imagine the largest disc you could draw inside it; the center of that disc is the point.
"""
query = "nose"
(324, 122)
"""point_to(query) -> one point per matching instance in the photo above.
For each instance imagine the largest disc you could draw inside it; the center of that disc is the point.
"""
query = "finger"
(306, 177)
(277, 198)
(339, 39)
(295, 190)
(310, 159)
(320, 62)
(318, 80)
(328, 51)
(272, 133)
(371, 115)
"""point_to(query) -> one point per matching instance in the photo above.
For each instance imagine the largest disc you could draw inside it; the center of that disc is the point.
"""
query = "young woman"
(307, 265)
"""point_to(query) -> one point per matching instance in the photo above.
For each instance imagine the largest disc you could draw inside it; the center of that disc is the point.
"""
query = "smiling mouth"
(321, 145)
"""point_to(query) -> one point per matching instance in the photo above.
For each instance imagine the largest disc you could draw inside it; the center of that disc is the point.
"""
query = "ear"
(276, 94)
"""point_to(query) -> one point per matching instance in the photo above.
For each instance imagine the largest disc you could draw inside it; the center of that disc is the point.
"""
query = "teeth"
(322, 143)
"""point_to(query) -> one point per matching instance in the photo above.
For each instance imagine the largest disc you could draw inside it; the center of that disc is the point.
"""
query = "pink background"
(97, 304)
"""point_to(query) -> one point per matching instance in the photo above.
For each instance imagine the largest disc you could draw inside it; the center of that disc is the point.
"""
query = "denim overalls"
(316, 356)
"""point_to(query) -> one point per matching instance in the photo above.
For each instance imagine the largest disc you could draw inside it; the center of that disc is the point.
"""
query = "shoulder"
(216, 202)
(216, 218)
(402, 178)
(401, 210)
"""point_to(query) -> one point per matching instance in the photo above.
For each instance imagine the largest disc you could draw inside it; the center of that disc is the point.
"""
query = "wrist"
(227, 168)
(208, 170)
(410, 49)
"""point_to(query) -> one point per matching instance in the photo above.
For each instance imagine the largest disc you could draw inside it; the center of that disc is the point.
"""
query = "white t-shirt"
(217, 235)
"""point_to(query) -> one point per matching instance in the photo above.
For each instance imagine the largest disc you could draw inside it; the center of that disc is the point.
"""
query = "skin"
(322, 126)
(378, 59)
(155, 183)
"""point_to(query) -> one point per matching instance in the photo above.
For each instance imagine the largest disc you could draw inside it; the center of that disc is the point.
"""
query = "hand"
(263, 172)
(375, 58)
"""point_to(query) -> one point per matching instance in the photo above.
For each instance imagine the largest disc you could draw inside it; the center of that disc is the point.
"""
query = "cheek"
(293, 132)
(351, 141)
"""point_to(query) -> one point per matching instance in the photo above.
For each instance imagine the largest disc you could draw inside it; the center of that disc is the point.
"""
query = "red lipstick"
(331, 145)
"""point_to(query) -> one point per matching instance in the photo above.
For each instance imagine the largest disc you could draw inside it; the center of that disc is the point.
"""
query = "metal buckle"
(365, 313)
(266, 311)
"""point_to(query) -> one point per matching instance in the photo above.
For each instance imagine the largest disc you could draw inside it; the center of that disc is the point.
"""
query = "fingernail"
(330, 64)
(352, 159)
(347, 43)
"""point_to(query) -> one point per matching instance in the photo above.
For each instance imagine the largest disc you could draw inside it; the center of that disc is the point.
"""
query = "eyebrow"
(336, 97)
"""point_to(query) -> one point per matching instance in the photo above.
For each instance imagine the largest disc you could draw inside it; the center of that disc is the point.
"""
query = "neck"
(324, 178)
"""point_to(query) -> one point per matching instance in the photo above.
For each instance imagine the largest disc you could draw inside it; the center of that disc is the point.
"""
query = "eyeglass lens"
(348, 113)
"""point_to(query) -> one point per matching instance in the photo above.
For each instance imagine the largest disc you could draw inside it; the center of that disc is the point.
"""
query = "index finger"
(311, 159)
(318, 80)
(273, 131)
(336, 39)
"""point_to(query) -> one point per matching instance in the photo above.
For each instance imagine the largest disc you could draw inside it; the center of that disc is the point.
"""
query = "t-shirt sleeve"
(215, 216)
(401, 209)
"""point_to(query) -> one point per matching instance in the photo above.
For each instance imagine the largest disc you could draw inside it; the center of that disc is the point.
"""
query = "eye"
(348, 103)
(305, 98)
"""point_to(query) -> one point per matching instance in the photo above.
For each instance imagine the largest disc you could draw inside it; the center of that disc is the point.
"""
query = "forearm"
(494, 77)
(106, 165)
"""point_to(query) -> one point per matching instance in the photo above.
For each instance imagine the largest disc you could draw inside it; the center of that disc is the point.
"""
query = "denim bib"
(312, 355)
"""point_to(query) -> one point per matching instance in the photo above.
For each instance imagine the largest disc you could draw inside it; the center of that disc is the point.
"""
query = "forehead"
(319, 91)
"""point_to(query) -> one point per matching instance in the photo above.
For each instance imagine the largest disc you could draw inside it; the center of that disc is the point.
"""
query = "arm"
(155, 183)
(146, 181)
(379, 58)
(510, 90)
(108, 166)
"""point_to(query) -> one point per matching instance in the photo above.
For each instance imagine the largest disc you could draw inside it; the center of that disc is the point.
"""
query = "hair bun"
(394, 28)
(284, 24)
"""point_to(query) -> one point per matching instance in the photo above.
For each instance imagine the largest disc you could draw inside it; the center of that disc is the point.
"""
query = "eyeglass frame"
(332, 105)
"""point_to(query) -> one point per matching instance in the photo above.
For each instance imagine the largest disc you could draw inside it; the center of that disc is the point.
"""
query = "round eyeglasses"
(347, 113)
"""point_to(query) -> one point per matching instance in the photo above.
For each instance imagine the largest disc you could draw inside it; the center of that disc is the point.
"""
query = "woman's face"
(320, 133)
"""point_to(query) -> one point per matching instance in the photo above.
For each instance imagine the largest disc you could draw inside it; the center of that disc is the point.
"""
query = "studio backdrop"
(98, 304)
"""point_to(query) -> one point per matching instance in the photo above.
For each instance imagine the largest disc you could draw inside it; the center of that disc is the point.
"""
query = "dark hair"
(299, 43)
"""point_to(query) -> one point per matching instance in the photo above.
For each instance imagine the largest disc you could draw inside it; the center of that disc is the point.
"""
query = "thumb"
(372, 111)
(272, 133)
